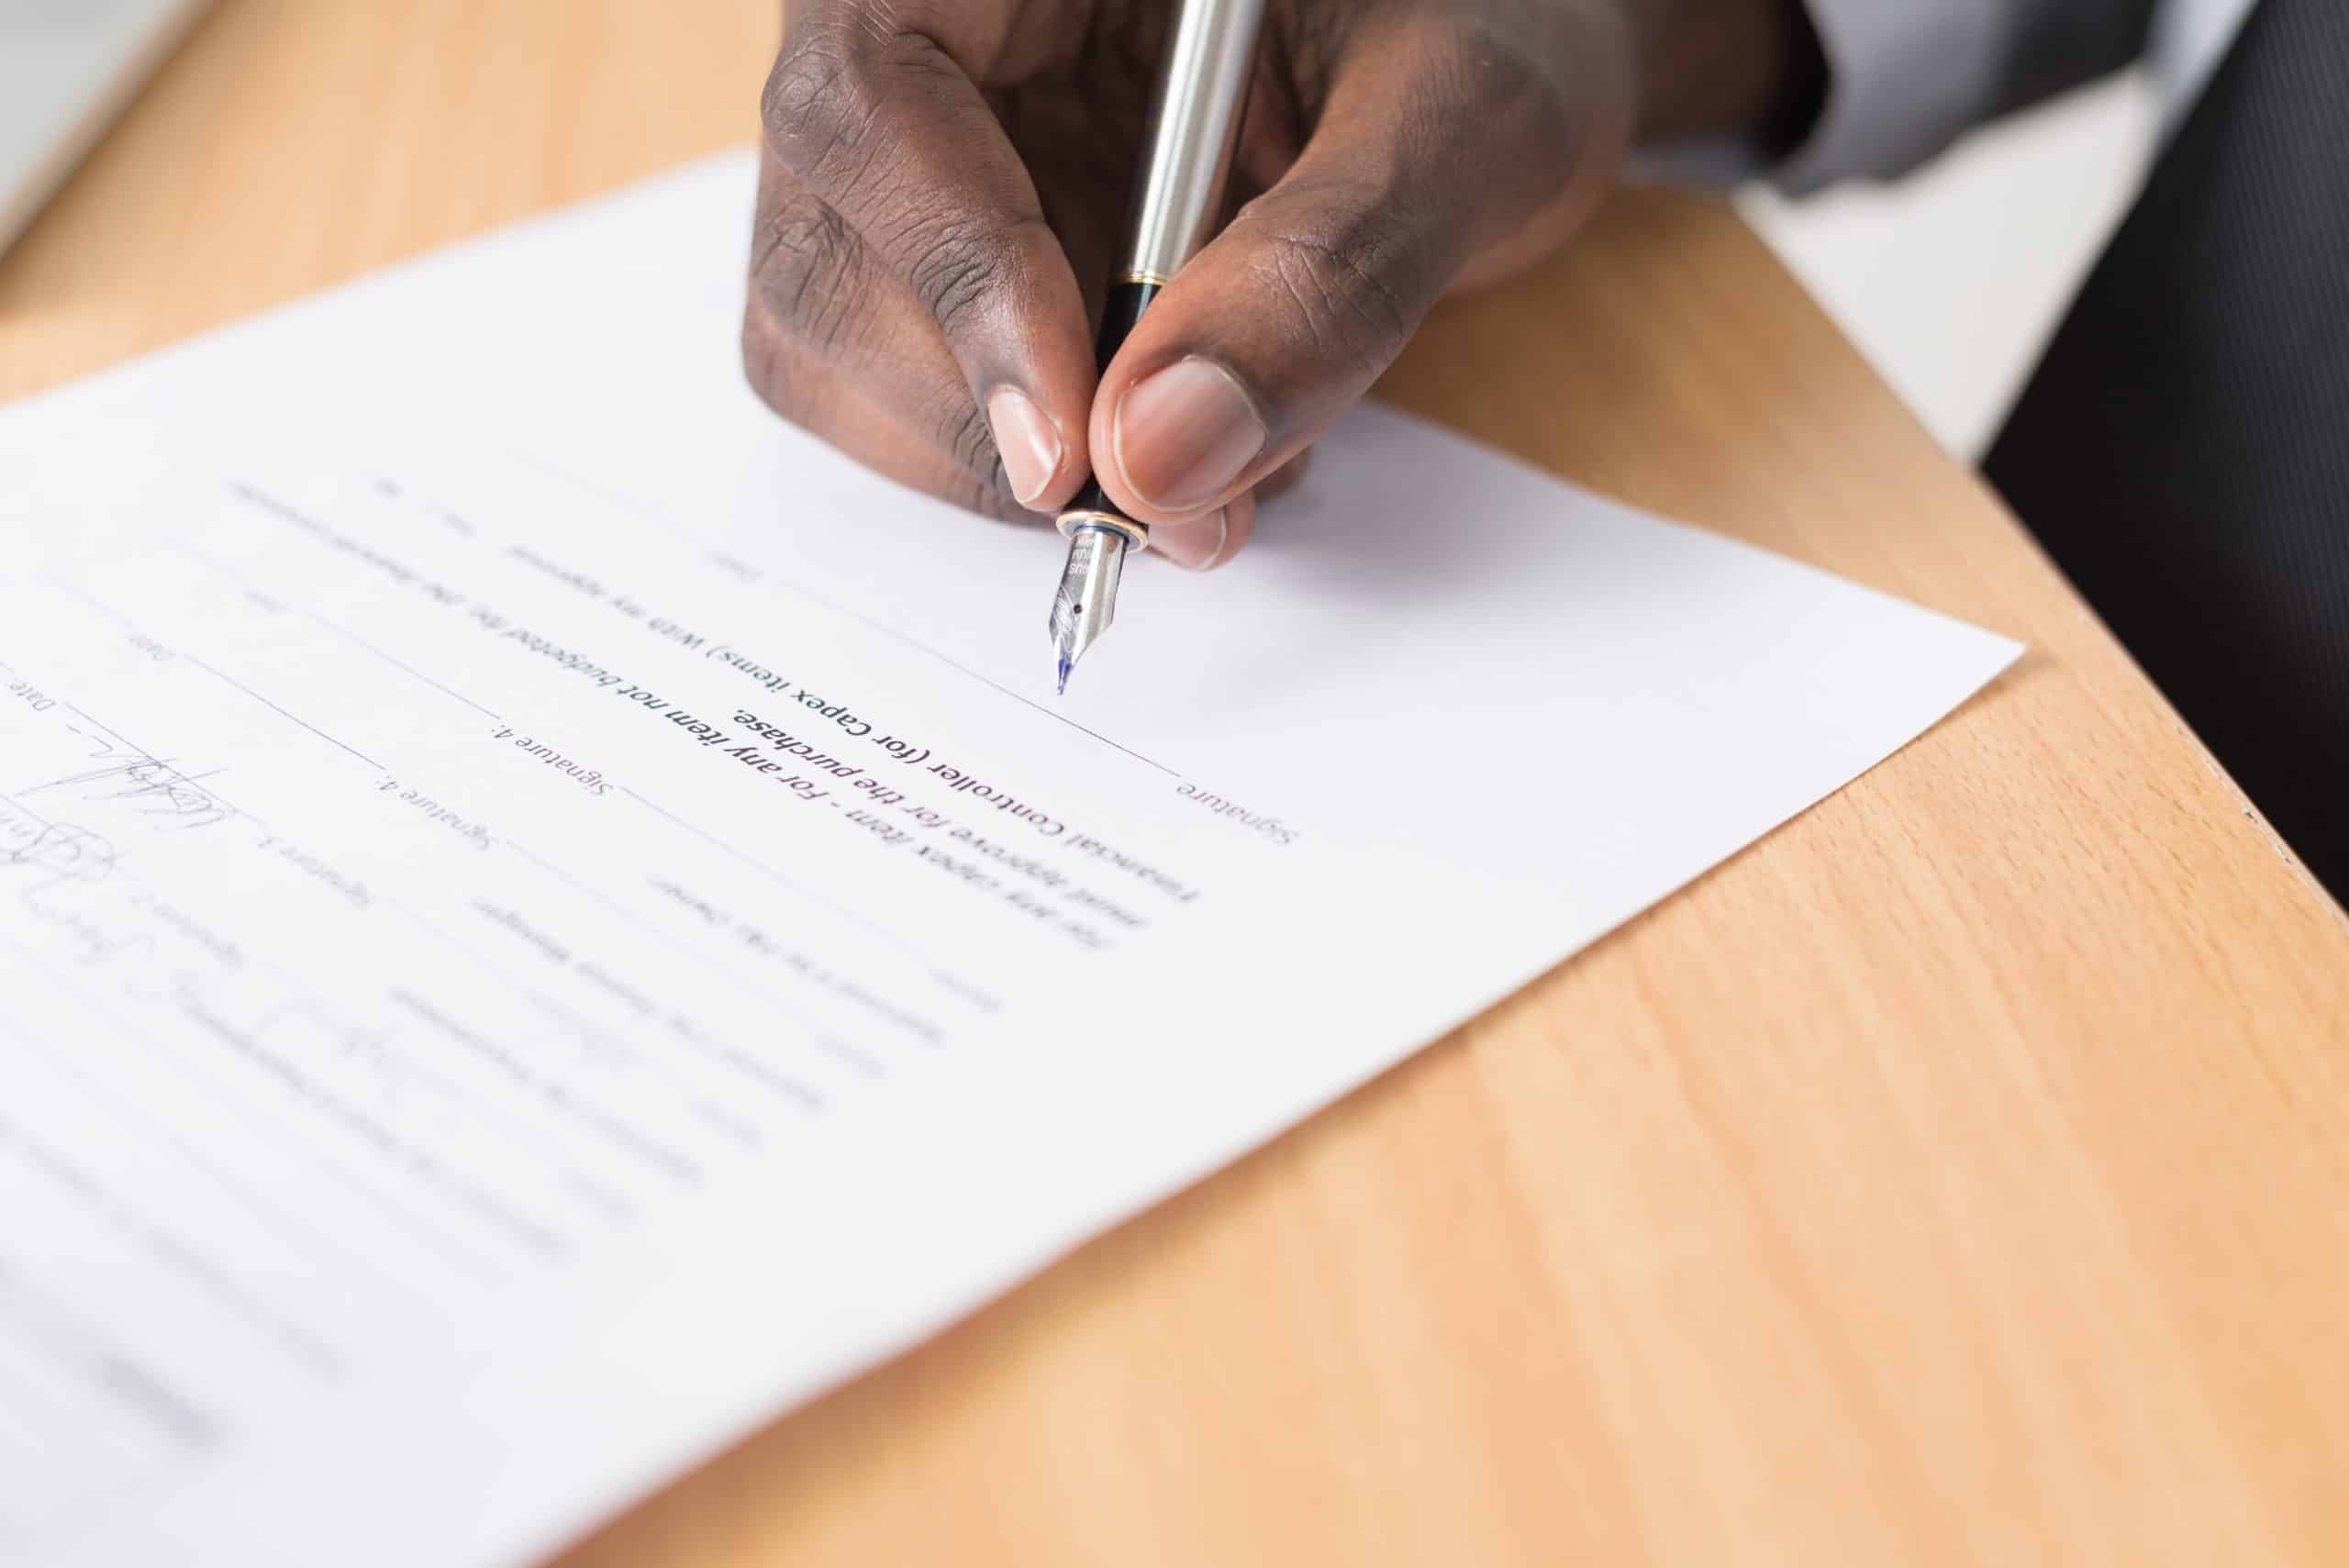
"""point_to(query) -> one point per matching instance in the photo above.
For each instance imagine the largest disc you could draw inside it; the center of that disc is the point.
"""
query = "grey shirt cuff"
(1904, 80)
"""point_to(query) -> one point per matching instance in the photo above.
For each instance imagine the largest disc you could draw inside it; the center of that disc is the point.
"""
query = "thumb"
(1436, 143)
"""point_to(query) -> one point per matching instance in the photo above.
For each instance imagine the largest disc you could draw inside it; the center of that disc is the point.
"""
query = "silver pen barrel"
(1193, 130)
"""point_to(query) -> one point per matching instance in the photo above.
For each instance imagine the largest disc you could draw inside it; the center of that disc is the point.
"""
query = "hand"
(945, 180)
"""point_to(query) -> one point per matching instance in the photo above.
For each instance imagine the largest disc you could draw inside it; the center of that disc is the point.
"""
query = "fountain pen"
(1177, 204)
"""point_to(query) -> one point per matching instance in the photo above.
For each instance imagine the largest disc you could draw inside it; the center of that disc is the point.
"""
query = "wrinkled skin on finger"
(944, 187)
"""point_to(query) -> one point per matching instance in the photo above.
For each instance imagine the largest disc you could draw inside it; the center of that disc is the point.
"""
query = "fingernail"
(1185, 433)
(1030, 447)
(1195, 545)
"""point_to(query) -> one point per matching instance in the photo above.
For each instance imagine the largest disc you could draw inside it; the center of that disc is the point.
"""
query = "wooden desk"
(1960, 1175)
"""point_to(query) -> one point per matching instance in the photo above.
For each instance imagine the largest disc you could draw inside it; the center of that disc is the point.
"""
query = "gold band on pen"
(1135, 534)
(1152, 279)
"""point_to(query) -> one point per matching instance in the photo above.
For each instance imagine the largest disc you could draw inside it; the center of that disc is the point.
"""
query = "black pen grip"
(1126, 303)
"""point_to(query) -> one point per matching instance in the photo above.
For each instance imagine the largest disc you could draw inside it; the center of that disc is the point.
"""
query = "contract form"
(525, 951)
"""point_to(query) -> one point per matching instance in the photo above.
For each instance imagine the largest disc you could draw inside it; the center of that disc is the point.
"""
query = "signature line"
(901, 944)
(665, 525)
(241, 581)
(291, 718)
(122, 621)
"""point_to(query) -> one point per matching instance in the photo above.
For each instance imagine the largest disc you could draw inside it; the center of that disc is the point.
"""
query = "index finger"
(876, 108)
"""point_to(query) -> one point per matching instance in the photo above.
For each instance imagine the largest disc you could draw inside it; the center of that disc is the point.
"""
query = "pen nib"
(1088, 598)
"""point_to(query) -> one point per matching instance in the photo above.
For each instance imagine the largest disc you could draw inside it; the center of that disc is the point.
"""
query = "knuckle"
(820, 102)
(827, 101)
(960, 267)
(1356, 286)
(978, 494)
(960, 461)
(965, 468)
(969, 440)
(803, 263)
(1498, 89)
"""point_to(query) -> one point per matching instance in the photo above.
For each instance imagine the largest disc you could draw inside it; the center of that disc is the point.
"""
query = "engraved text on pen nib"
(1087, 596)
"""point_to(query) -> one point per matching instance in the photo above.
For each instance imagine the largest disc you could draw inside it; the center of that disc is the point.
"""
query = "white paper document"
(545, 917)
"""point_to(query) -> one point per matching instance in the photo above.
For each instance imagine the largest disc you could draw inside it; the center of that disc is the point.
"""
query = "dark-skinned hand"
(944, 185)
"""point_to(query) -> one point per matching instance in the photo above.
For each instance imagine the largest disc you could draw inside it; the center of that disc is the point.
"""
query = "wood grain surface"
(1961, 1176)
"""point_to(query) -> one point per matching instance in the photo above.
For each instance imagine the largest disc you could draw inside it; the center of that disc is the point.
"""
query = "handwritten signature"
(66, 852)
(65, 862)
(154, 783)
